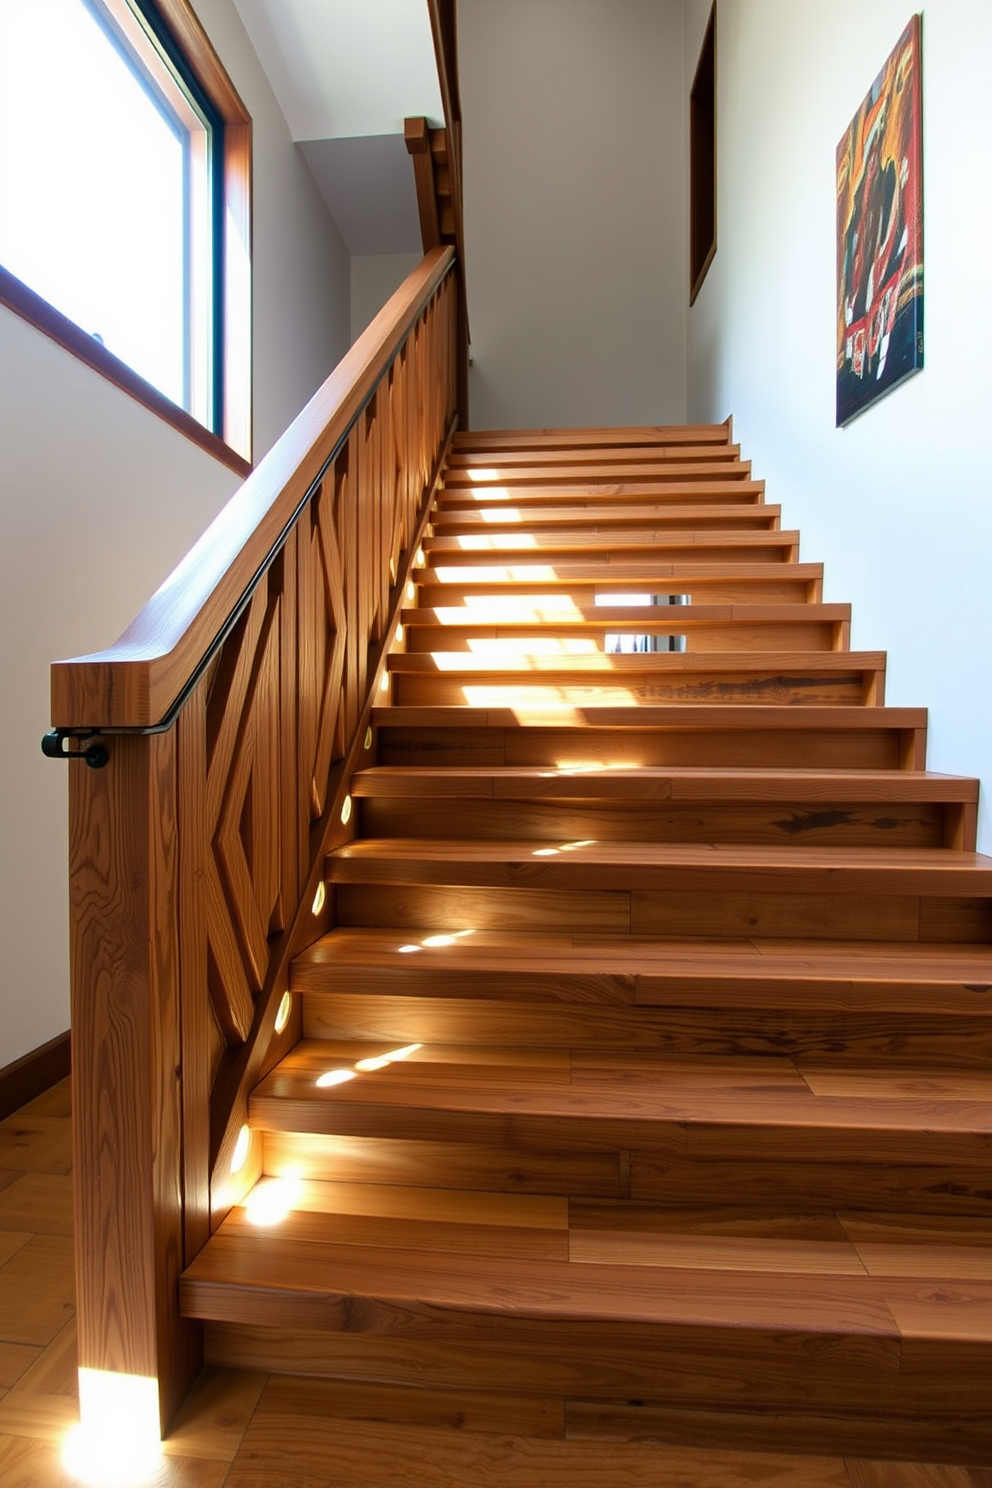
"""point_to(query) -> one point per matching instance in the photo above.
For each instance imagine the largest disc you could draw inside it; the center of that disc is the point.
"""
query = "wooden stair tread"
(836, 967)
(611, 1295)
(535, 1227)
(788, 868)
(529, 1226)
(654, 783)
(635, 1101)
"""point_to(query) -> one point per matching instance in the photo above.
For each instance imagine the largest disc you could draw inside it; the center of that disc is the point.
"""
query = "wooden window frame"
(232, 445)
(702, 161)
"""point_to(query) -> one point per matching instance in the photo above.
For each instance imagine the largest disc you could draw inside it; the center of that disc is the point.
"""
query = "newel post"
(124, 960)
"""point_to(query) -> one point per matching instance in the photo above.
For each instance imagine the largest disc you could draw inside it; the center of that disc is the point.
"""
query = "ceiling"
(346, 73)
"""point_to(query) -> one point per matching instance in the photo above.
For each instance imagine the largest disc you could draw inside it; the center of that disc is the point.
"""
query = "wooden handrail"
(135, 682)
(197, 850)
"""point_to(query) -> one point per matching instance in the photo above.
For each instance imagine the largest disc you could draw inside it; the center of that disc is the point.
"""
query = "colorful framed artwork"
(880, 234)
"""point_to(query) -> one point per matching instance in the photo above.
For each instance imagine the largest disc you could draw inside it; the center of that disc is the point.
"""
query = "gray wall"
(374, 277)
(574, 151)
(99, 500)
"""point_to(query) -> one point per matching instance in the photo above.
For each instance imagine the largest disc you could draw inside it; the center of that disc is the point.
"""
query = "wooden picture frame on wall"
(702, 161)
(880, 234)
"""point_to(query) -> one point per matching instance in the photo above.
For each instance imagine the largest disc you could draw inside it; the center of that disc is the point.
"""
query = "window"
(702, 162)
(124, 203)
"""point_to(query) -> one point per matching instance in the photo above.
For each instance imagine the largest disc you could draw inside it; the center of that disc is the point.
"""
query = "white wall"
(898, 504)
(374, 277)
(573, 142)
(98, 501)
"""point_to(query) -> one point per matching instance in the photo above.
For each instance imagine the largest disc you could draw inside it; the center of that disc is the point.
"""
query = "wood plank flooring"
(245, 1428)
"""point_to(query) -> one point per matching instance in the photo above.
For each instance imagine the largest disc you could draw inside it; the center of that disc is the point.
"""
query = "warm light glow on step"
(472, 542)
(384, 682)
(335, 1077)
(533, 703)
(482, 473)
(536, 573)
(399, 632)
(436, 942)
(242, 1147)
(550, 852)
(504, 514)
(491, 493)
(380, 1061)
(420, 560)
(411, 590)
(117, 1442)
(508, 655)
(522, 646)
(283, 1011)
(590, 767)
(346, 811)
(319, 899)
(272, 1201)
(494, 609)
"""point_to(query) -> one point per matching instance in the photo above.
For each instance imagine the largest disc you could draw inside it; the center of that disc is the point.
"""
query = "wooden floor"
(253, 1430)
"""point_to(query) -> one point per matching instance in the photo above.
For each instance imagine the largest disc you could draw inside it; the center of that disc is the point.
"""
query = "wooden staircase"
(646, 1069)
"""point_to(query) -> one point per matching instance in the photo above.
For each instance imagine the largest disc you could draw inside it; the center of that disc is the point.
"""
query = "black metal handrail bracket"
(54, 745)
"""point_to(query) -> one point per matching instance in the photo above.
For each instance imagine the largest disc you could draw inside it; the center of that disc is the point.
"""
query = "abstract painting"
(880, 234)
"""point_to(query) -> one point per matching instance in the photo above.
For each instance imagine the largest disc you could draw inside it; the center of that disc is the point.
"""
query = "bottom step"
(853, 1333)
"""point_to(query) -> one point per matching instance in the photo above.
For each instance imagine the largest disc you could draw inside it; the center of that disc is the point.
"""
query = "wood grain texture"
(124, 971)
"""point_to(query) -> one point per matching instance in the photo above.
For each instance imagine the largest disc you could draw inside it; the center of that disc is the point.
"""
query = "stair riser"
(875, 1039)
(760, 1414)
(611, 478)
(815, 824)
(603, 452)
(800, 637)
(508, 1165)
(902, 918)
(779, 585)
(851, 688)
(503, 518)
(729, 496)
(723, 1368)
(653, 551)
(680, 1161)
(857, 749)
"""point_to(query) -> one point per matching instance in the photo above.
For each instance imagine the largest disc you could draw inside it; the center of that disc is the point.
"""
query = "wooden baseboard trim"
(33, 1074)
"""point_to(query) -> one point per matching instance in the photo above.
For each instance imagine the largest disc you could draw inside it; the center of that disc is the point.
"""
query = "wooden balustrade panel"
(253, 774)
